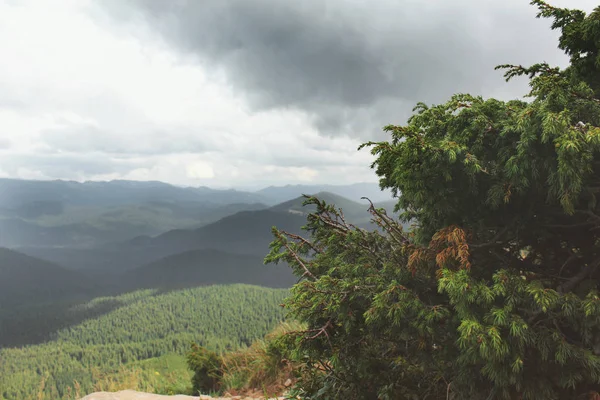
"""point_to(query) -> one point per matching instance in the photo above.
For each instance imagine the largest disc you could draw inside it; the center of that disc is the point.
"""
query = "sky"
(242, 93)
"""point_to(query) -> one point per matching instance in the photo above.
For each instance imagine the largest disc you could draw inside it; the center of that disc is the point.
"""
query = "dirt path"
(133, 395)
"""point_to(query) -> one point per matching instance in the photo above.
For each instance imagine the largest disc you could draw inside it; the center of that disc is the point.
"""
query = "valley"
(314, 200)
(103, 284)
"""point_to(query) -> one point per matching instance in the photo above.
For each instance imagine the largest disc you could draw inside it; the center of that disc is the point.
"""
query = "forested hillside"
(207, 267)
(246, 232)
(84, 226)
(25, 279)
(138, 326)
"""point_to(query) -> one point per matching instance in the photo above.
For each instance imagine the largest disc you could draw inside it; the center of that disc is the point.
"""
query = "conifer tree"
(493, 294)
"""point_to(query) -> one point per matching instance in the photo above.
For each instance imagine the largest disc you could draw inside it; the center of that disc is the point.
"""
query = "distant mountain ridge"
(352, 192)
(228, 249)
(91, 214)
(16, 192)
(88, 226)
(246, 232)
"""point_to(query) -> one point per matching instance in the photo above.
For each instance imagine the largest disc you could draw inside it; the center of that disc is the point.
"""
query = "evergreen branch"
(590, 98)
(304, 241)
(300, 262)
(569, 226)
(495, 239)
(388, 222)
(567, 262)
(321, 331)
(334, 224)
(590, 213)
(580, 276)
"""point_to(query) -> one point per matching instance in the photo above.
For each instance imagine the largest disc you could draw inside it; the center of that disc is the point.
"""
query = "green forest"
(484, 284)
(143, 325)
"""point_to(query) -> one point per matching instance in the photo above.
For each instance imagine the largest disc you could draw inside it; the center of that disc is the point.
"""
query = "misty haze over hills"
(16, 192)
(64, 242)
(112, 231)
(89, 214)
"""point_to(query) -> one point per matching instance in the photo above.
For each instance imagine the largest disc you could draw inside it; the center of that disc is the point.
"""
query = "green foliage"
(113, 351)
(265, 365)
(494, 292)
(354, 212)
(167, 375)
(207, 367)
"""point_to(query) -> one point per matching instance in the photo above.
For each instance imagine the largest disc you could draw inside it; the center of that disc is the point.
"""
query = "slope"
(142, 325)
(206, 267)
(94, 225)
(15, 232)
(295, 205)
(353, 192)
(246, 232)
(28, 279)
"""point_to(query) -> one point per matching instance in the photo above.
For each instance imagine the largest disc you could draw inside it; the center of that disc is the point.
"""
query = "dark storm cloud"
(352, 66)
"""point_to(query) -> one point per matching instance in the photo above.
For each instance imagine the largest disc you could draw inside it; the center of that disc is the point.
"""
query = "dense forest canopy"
(494, 292)
(135, 331)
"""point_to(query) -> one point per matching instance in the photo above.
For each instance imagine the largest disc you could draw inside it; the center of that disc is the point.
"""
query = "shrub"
(207, 367)
(264, 366)
(493, 294)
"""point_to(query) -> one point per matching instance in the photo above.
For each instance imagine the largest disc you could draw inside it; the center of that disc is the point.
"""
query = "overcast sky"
(241, 92)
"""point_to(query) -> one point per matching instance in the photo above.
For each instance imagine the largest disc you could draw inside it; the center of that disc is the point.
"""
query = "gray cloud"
(226, 92)
(5, 143)
(8, 102)
(352, 66)
(67, 166)
(153, 141)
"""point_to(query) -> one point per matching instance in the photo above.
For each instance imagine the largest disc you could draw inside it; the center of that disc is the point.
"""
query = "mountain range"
(64, 243)
(354, 192)
(17, 194)
(90, 214)
(70, 238)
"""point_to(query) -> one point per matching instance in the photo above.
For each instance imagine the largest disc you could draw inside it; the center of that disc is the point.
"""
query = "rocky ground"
(133, 395)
